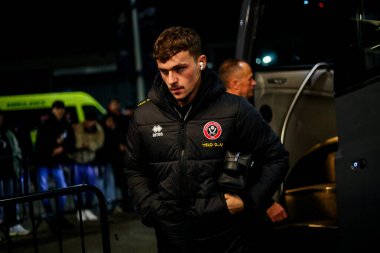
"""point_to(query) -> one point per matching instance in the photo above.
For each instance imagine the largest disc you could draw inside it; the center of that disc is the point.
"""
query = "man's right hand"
(234, 203)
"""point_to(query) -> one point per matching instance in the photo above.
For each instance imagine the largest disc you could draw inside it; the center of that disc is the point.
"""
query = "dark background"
(67, 46)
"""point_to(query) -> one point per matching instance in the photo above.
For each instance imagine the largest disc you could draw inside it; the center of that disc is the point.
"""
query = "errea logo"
(157, 131)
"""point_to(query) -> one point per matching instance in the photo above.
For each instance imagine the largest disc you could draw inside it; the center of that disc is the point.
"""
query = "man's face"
(114, 106)
(182, 75)
(247, 83)
(58, 112)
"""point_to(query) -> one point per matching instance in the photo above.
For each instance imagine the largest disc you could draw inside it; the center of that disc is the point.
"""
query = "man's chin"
(178, 96)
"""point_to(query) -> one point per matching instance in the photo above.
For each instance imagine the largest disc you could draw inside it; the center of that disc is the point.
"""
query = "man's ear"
(202, 61)
(235, 84)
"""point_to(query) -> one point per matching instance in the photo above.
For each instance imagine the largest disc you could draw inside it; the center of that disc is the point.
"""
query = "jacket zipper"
(182, 170)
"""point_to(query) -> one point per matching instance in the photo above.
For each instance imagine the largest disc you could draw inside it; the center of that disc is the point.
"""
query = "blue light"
(266, 59)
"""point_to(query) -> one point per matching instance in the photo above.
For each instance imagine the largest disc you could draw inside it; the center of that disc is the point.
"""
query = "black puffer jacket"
(174, 162)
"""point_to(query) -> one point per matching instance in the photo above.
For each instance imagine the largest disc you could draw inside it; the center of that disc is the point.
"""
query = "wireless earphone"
(201, 64)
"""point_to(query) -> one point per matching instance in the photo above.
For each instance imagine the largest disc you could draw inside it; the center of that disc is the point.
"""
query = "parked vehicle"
(24, 113)
(317, 67)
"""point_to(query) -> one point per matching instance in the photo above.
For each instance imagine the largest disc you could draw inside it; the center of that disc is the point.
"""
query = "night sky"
(36, 40)
(32, 31)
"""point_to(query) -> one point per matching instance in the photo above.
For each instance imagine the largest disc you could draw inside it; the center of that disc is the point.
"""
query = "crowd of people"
(89, 152)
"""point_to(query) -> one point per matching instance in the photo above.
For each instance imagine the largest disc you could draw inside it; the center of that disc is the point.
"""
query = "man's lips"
(176, 90)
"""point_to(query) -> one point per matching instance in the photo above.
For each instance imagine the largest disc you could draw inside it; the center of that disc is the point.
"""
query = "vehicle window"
(26, 119)
(371, 34)
(71, 115)
(87, 108)
(295, 33)
(360, 48)
(22, 122)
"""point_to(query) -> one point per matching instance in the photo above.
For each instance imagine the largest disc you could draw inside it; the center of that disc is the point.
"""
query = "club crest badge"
(212, 130)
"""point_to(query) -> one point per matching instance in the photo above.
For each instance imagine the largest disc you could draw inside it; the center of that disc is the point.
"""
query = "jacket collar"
(211, 88)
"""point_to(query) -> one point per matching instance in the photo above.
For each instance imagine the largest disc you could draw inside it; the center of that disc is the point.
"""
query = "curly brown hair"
(174, 40)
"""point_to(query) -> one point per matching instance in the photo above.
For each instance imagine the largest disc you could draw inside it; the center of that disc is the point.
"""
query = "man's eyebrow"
(178, 66)
(181, 65)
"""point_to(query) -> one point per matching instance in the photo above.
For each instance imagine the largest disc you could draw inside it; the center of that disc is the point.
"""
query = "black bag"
(234, 173)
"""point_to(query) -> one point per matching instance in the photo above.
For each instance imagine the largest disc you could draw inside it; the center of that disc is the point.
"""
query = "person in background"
(10, 173)
(55, 140)
(176, 146)
(89, 137)
(122, 121)
(106, 156)
(114, 108)
(127, 111)
(238, 79)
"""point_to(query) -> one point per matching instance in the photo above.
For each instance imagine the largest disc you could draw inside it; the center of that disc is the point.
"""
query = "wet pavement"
(127, 234)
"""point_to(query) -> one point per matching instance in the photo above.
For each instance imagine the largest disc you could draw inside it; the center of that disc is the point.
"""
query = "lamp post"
(138, 57)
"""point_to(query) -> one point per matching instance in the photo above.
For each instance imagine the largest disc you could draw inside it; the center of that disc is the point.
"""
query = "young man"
(177, 141)
(55, 140)
(237, 77)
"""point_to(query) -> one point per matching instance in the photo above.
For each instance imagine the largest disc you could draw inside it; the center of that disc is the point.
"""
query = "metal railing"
(75, 190)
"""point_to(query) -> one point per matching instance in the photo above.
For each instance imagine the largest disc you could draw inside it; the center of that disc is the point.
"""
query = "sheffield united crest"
(212, 130)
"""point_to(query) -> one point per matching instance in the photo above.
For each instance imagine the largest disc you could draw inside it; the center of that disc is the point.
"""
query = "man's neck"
(232, 92)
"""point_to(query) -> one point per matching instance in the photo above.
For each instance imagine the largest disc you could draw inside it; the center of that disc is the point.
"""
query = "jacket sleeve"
(16, 153)
(138, 178)
(271, 158)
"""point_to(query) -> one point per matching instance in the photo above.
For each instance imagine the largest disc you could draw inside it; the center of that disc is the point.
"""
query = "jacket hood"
(211, 87)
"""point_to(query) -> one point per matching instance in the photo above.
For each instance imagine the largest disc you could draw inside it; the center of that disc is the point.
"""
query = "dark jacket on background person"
(110, 151)
(11, 171)
(181, 153)
(48, 133)
(10, 155)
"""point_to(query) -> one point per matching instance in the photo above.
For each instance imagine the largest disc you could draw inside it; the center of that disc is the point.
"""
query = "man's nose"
(172, 77)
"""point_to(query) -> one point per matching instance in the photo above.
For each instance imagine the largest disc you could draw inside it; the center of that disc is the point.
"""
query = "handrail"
(296, 97)
(70, 190)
